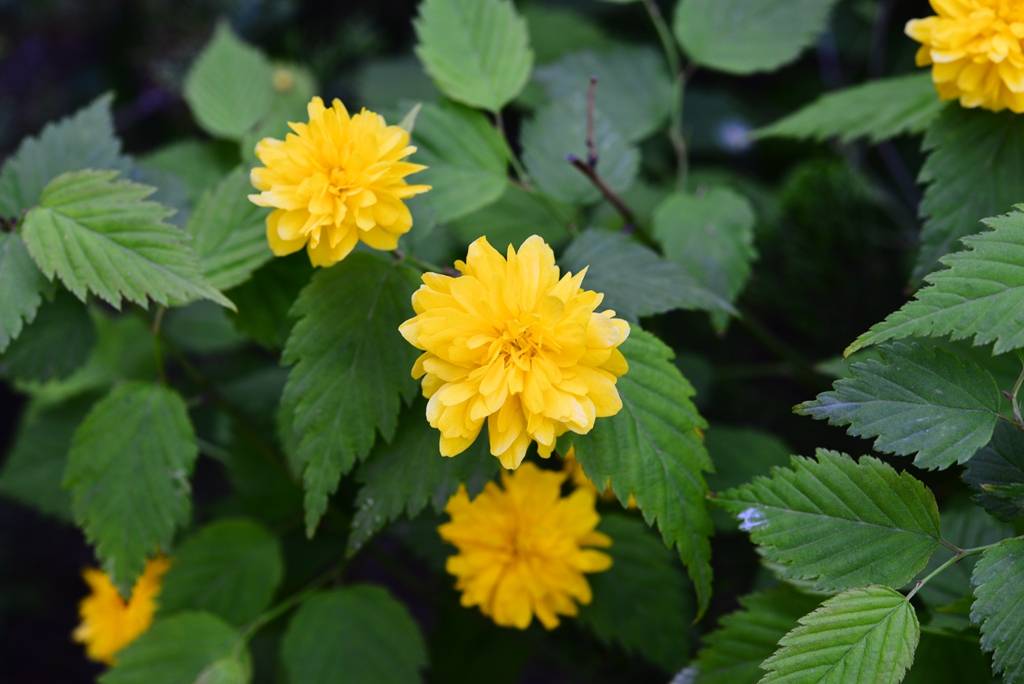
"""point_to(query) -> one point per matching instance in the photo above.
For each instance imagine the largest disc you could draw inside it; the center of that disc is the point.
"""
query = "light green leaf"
(466, 159)
(652, 450)
(293, 87)
(978, 296)
(635, 280)
(915, 398)
(514, 217)
(230, 568)
(228, 232)
(876, 110)
(356, 634)
(839, 523)
(230, 85)
(198, 164)
(747, 36)
(187, 647)
(733, 653)
(351, 368)
(264, 300)
(404, 476)
(862, 635)
(128, 473)
(477, 51)
(57, 342)
(84, 140)
(100, 235)
(996, 473)
(21, 288)
(385, 82)
(633, 88)
(642, 603)
(558, 131)
(998, 582)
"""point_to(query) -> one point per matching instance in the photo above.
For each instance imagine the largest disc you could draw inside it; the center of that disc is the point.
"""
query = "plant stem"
(425, 266)
(276, 611)
(1014, 394)
(957, 557)
(158, 351)
(517, 164)
(620, 206)
(679, 75)
(803, 368)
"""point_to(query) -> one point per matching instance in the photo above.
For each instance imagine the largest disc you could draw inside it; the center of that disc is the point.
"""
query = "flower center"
(340, 180)
(520, 340)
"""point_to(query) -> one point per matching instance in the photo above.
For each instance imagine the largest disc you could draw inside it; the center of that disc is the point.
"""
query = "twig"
(591, 145)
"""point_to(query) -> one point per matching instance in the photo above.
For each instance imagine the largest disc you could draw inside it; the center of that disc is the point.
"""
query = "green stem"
(676, 68)
(425, 266)
(668, 43)
(276, 611)
(803, 368)
(956, 558)
(158, 351)
(1013, 397)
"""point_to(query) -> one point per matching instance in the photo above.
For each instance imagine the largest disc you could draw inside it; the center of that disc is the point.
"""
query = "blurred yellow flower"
(335, 181)
(579, 478)
(974, 47)
(512, 342)
(523, 549)
(109, 623)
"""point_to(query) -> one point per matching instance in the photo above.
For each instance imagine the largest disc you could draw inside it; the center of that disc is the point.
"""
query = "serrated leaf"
(862, 635)
(100, 235)
(350, 369)
(187, 647)
(635, 280)
(915, 399)
(996, 473)
(477, 51)
(404, 476)
(977, 297)
(83, 140)
(839, 523)
(230, 568)
(633, 88)
(229, 87)
(733, 653)
(652, 450)
(128, 472)
(877, 110)
(228, 233)
(356, 634)
(264, 300)
(514, 217)
(466, 160)
(998, 581)
(748, 36)
(558, 131)
(21, 288)
(642, 603)
(56, 343)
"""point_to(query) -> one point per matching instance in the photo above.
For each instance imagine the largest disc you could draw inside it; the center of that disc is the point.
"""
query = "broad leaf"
(356, 634)
(514, 217)
(915, 399)
(230, 568)
(264, 300)
(477, 51)
(998, 581)
(57, 342)
(198, 164)
(351, 369)
(21, 288)
(747, 36)
(979, 296)
(996, 473)
(293, 87)
(652, 450)
(947, 659)
(862, 635)
(740, 454)
(876, 110)
(100, 235)
(556, 31)
(839, 523)
(128, 473)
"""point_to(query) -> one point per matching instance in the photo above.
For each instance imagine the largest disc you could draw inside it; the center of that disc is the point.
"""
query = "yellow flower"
(974, 47)
(513, 343)
(108, 622)
(579, 479)
(522, 549)
(335, 181)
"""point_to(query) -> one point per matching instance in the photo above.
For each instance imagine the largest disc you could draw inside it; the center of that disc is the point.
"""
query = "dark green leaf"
(996, 473)
(514, 217)
(21, 288)
(264, 300)
(56, 343)
(998, 582)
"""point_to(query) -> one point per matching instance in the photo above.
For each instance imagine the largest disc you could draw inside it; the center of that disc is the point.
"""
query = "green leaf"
(264, 300)
(652, 450)
(21, 288)
(876, 110)
(839, 523)
(385, 82)
(711, 236)
(404, 476)
(83, 140)
(747, 36)
(187, 647)
(948, 660)
(57, 342)
(198, 164)
(862, 635)
(642, 603)
(998, 582)
(466, 159)
(740, 454)
(635, 280)
(996, 473)
(514, 217)
(633, 88)
(733, 653)
(556, 31)
(201, 328)
(100, 235)
(955, 201)
(230, 85)
(128, 471)
(293, 87)
(915, 398)
(977, 296)
(230, 568)
(477, 51)
(351, 368)
(558, 131)
(356, 634)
